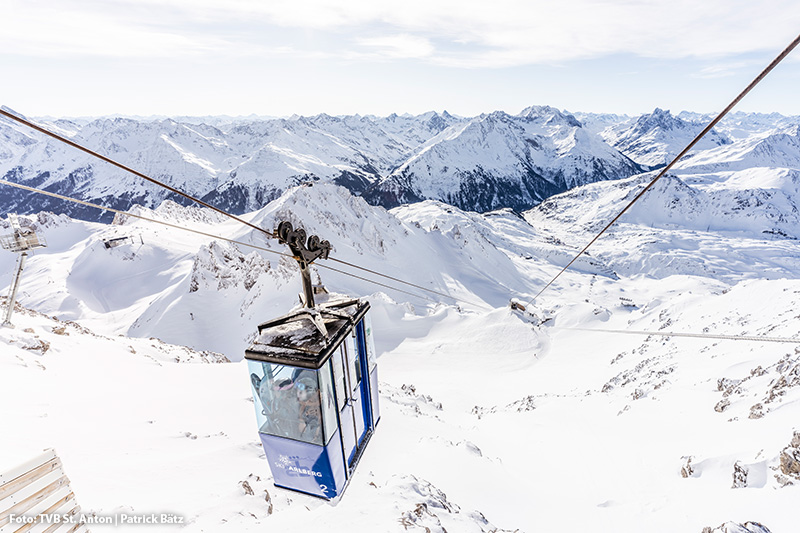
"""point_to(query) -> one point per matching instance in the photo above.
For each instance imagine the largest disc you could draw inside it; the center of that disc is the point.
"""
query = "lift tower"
(21, 241)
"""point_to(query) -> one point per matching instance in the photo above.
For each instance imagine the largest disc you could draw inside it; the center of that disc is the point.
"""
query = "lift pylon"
(21, 241)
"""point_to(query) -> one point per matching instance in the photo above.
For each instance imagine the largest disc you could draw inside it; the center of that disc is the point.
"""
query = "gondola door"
(356, 375)
(345, 406)
(347, 375)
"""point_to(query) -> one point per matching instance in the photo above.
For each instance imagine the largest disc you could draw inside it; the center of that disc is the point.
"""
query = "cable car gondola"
(314, 379)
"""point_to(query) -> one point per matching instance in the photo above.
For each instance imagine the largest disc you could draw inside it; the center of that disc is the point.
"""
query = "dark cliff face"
(478, 190)
(237, 199)
(353, 182)
(392, 192)
(483, 191)
(20, 201)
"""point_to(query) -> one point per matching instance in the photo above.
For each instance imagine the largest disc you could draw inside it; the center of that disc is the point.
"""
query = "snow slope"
(488, 422)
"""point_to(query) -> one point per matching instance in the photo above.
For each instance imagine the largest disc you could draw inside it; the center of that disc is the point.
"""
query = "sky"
(71, 58)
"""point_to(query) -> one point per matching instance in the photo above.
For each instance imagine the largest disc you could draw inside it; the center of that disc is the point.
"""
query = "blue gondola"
(314, 378)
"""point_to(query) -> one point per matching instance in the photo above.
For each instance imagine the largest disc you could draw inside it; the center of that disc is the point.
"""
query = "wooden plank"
(57, 503)
(27, 466)
(38, 488)
(40, 508)
(53, 527)
(13, 485)
(12, 499)
(62, 502)
(31, 501)
(75, 528)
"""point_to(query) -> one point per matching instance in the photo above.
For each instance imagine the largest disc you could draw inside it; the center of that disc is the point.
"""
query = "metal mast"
(21, 241)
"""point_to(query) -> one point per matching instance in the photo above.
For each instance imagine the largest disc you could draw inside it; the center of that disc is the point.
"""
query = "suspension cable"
(420, 287)
(708, 128)
(689, 335)
(204, 204)
(390, 287)
(249, 245)
(134, 215)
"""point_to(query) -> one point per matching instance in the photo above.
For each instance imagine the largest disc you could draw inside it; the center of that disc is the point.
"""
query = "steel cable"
(200, 202)
(241, 243)
(689, 335)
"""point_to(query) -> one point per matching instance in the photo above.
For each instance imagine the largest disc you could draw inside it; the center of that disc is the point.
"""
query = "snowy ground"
(488, 422)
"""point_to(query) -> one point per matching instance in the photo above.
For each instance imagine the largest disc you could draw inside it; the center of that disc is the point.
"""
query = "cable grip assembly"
(306, 250)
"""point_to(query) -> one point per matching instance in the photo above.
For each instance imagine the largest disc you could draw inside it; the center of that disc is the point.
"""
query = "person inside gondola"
(286, 410)
(309, 419)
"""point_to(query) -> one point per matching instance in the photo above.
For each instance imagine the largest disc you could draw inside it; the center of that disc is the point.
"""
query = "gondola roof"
(295, 340)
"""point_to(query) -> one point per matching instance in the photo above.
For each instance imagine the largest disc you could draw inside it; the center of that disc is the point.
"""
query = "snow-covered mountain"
(467, 247)
(776, 149)
(499, 160)
(237, 165)
(591, 428)
(714, 230)
(608, 411)
(489, 162)
(482, 163)
(597, 122)
(653, 140)
(738, 125)
(240, 169)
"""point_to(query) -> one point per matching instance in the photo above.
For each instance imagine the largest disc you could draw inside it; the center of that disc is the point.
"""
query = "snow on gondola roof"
(294, 339)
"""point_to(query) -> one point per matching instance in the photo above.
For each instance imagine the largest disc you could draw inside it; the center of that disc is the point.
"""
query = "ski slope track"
(128, 360)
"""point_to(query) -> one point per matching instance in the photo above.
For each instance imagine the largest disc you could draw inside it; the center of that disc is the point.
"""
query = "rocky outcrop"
(733, 527)
(790, 459)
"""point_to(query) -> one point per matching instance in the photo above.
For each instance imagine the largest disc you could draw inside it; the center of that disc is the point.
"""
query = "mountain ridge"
(483, 163)
(241, 165)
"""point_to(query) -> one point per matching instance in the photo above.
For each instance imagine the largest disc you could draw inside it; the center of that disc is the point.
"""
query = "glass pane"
(356, 358)
(287, 401)
(329, 419)
(338, 377)
(307, 396)
(261, 382)
(370, 341)
(352, 362)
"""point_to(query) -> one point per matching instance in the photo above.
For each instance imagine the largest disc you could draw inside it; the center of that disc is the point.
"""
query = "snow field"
(487, 421)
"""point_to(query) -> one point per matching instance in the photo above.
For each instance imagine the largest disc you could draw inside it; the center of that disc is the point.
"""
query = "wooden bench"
(37, 494)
